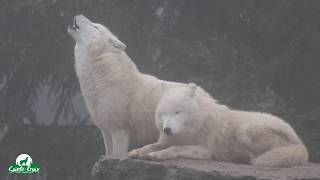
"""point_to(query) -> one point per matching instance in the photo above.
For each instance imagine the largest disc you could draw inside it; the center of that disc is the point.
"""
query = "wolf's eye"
(177, 112)
(95, 26)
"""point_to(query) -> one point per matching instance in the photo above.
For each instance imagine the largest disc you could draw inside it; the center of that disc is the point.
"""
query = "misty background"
(250, 55)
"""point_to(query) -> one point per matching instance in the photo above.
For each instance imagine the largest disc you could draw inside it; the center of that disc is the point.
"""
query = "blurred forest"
(250, 55)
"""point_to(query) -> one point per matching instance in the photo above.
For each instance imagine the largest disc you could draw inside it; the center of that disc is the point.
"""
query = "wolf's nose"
(167, 130)
(79, 16)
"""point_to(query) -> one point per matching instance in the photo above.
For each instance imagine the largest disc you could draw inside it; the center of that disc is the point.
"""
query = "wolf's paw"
(158, 156)
(134, 153)
(139, 153)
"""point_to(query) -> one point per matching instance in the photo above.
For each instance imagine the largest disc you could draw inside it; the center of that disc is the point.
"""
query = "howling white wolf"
(120, 99)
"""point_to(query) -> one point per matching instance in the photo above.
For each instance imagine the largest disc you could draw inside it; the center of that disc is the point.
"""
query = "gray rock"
(133, 169)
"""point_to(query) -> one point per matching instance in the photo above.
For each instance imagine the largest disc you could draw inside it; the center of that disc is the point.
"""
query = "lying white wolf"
(120, 99)
(192, 125)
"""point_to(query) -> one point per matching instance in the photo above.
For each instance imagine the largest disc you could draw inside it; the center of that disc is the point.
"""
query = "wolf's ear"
(115, 42)
(192, 89)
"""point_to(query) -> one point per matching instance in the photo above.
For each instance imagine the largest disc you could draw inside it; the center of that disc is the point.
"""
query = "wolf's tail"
(284, 156)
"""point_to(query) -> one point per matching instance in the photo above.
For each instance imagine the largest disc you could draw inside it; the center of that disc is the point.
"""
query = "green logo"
(24, 165)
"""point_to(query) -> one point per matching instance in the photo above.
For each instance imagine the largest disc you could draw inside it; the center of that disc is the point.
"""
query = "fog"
(250, 55)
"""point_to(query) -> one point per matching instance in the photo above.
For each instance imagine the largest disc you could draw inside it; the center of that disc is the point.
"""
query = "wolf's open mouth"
(75, 25)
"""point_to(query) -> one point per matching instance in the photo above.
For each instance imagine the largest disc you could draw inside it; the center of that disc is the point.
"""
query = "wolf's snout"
(75, 27)
(79, 16)
(167, 130)
(76, 20)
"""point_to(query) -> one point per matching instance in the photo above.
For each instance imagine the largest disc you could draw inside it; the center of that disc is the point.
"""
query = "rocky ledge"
(132, 169)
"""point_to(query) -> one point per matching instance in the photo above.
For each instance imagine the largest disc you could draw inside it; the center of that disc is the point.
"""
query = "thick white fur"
(120, 99)
(208, 130)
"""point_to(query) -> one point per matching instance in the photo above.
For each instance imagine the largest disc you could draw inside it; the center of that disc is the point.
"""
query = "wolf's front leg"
(120, 142)
(145, 150)
(184, 152)
(107, 142)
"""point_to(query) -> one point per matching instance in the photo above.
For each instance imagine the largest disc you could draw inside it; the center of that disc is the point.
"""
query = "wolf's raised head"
(88, 33)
